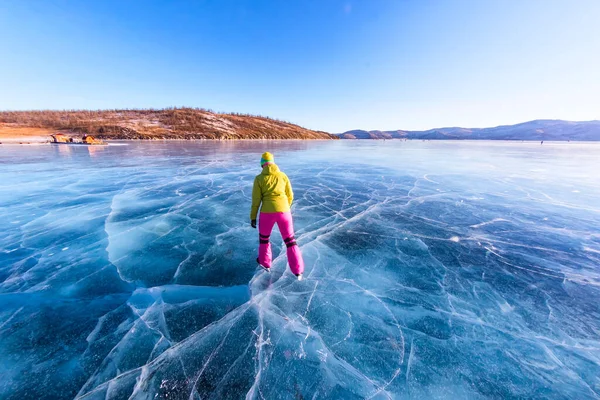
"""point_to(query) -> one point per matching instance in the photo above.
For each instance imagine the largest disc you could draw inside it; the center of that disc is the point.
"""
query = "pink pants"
(286, 227)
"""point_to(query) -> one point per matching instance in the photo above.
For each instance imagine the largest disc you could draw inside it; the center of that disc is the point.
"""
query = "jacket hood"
(270, 169)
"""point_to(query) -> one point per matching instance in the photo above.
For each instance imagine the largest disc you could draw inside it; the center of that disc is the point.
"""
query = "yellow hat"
(266, 158)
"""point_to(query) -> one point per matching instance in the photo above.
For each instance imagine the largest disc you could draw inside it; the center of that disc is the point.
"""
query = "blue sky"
(328, 65)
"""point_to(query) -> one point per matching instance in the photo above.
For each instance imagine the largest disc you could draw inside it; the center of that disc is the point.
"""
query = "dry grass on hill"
(170, 123)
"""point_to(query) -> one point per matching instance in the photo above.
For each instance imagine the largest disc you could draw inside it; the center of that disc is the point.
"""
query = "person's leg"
(265, 226)
(286, 227)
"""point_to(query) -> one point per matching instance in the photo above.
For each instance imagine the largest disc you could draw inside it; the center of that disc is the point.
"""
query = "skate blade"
(264, 268)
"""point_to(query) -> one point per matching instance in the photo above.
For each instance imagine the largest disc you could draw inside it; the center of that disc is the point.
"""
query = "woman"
(273, 190)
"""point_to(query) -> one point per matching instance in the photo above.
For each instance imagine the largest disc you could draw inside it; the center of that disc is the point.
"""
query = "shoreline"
(42, 141)
(41, 136)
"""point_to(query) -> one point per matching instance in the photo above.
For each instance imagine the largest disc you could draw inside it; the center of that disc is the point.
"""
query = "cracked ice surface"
(434, 270)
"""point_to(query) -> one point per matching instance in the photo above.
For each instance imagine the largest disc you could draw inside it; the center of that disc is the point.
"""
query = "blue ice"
(433, 270)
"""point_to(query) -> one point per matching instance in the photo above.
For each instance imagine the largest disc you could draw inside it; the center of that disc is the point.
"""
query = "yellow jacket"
(272, 188)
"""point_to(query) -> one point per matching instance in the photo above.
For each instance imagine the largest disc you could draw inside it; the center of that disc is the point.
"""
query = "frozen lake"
(433, 270)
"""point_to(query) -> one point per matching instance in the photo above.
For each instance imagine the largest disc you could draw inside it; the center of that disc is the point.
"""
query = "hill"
(170, 123)
(556, 130)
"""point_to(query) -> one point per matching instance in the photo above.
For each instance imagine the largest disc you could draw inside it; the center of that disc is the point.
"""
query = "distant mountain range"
(542, 129)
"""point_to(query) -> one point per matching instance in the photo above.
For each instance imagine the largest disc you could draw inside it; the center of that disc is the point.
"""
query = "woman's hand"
(253, 223)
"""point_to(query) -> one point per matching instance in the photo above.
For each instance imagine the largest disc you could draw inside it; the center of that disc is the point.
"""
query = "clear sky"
(324, 64)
